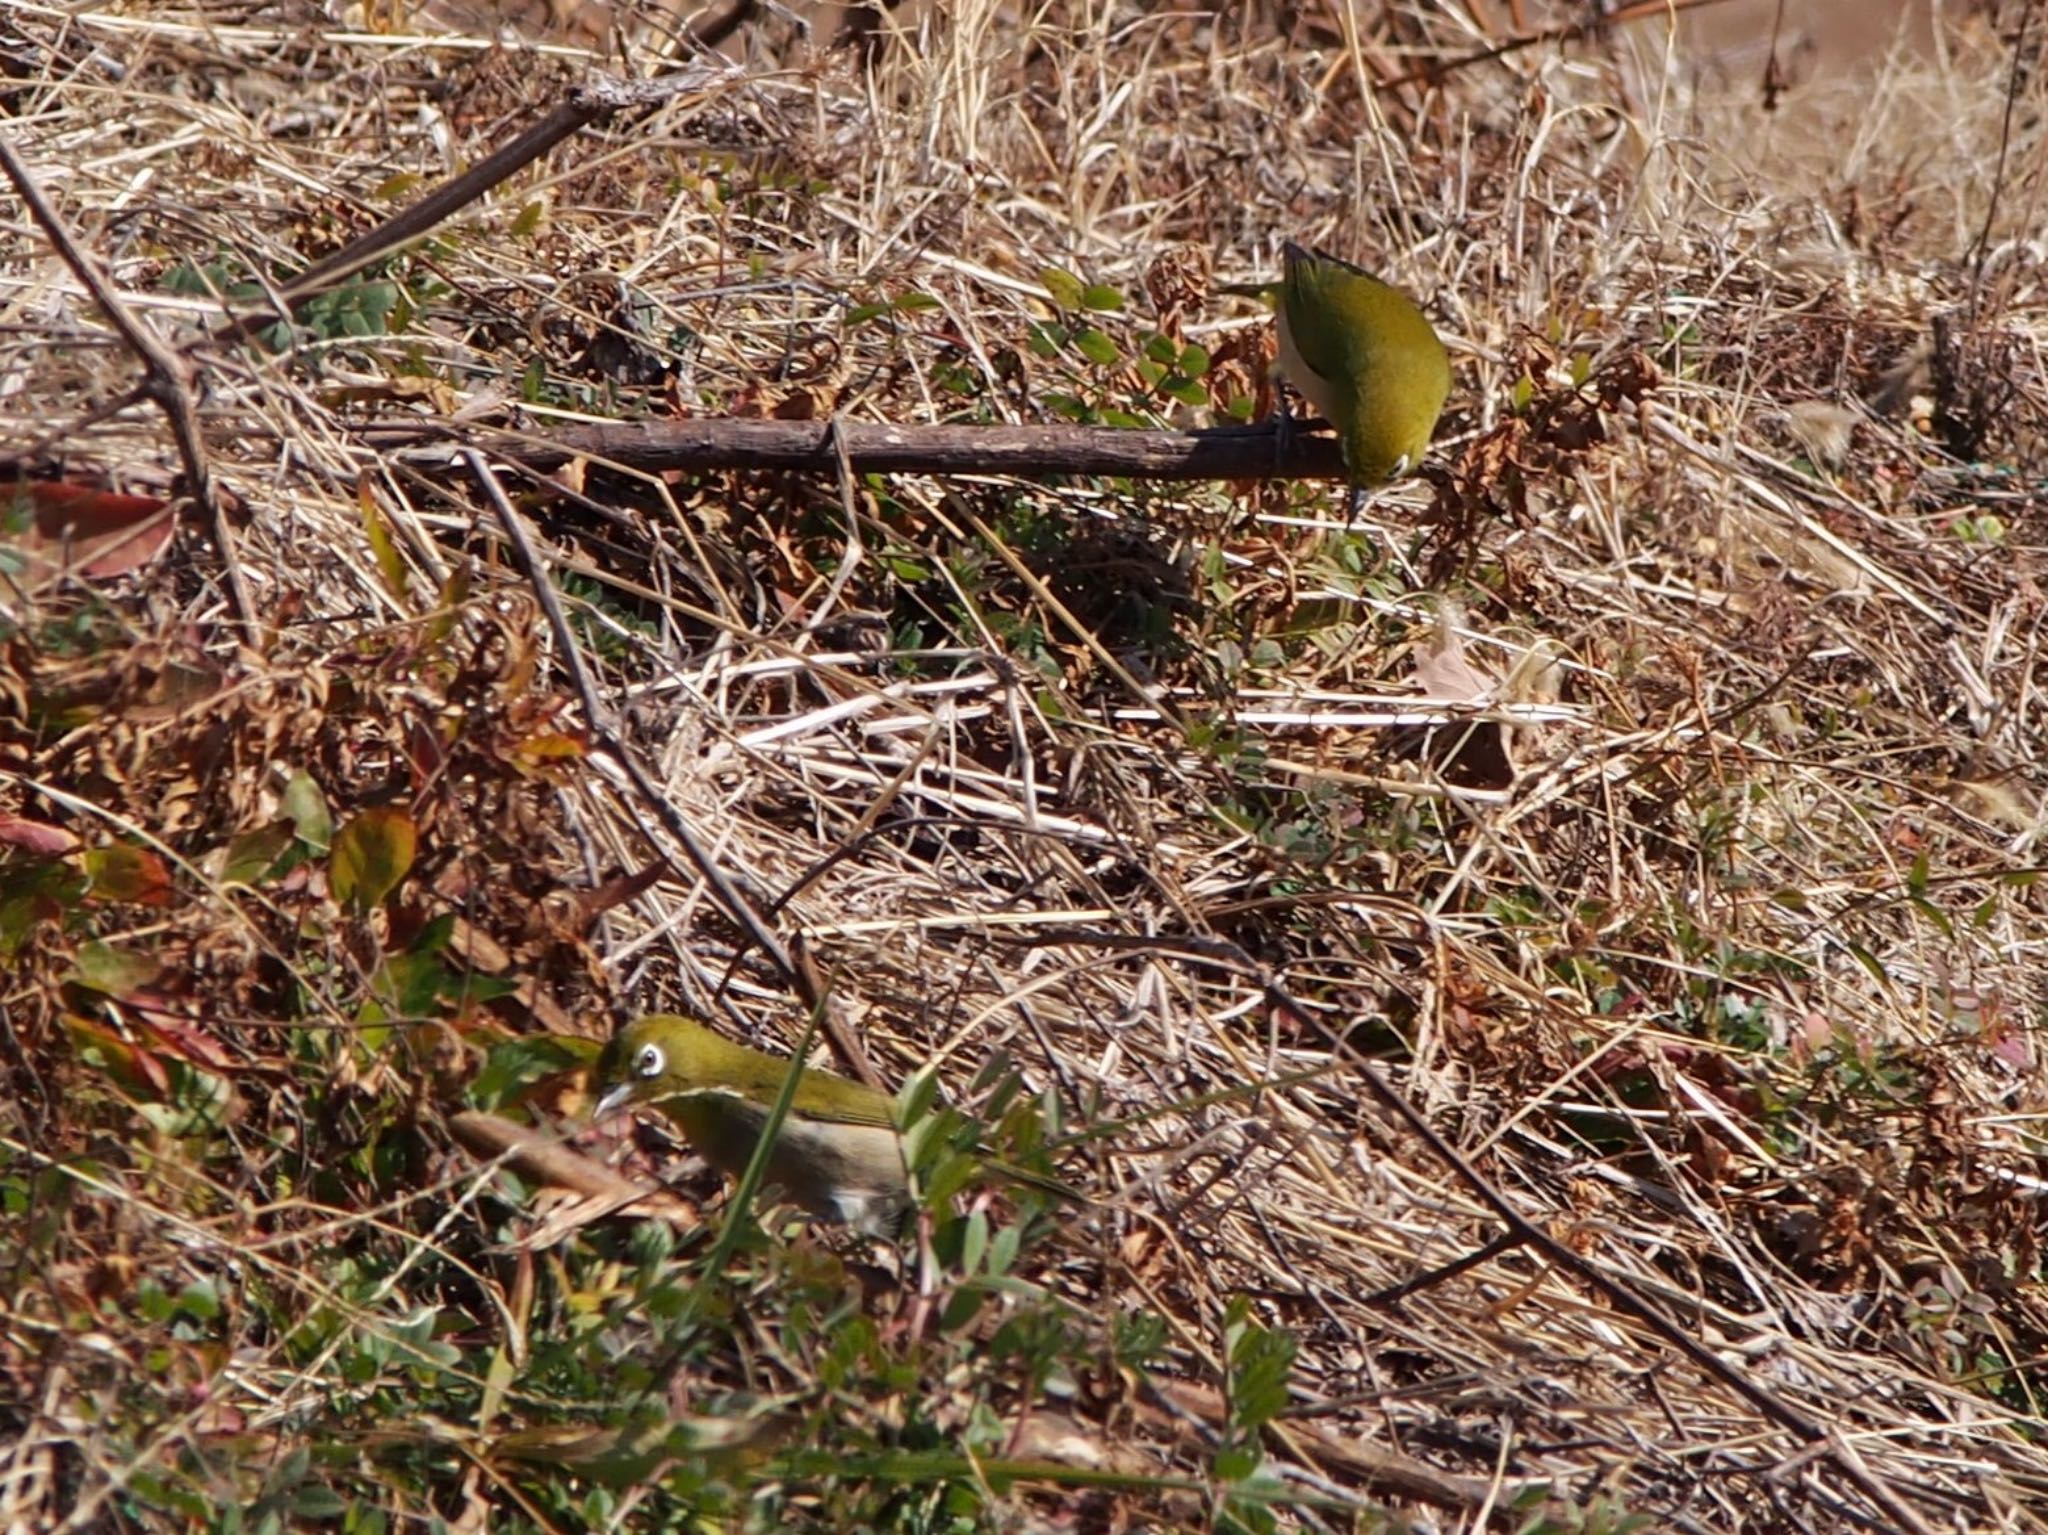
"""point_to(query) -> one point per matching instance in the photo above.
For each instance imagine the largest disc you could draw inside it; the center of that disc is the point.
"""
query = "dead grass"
(1737, 991)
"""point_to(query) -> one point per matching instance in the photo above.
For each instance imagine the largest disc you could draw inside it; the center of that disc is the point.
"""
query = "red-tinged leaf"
(60, 507)
(588, 905)
(35, 836)
(119, 872)
(81, 531)
(187, 1043)
(372, 853)
(133, 1070)
(112, 971)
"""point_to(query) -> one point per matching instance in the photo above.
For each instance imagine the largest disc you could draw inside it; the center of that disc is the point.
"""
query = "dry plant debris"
(1727, 976)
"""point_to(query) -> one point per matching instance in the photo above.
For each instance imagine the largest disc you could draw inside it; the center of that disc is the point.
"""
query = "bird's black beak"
(613, 1100)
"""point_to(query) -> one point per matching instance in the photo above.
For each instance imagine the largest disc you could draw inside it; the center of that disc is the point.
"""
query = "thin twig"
(605, 733)
(171, 379)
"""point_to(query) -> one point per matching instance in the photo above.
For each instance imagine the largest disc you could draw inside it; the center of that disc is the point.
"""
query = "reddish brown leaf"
(187, 1042)
(134, 1071)
(119, 872)
(82, 531)
(36, 836)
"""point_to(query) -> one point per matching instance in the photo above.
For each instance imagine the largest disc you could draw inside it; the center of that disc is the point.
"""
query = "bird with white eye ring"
(837, 1153)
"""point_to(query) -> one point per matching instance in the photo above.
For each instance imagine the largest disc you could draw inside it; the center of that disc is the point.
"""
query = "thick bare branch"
(1029, 452)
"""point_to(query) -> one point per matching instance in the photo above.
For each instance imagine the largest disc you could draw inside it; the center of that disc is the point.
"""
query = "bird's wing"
(1326, 300)
(814, 1099)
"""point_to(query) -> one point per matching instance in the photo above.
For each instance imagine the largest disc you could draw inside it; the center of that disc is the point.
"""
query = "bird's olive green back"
(1371, 341)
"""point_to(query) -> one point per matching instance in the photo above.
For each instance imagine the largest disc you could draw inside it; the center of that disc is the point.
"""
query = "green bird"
(838, 1154)
(1365, 356)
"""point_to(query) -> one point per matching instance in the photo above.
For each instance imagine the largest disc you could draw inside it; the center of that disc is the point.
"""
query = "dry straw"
(1732, 989)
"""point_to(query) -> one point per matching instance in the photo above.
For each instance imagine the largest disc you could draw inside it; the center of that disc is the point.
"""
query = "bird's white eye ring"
(649, 1062)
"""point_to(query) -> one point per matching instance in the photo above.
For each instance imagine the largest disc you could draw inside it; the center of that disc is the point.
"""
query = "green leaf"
(974, 1242)
(1062, 287)
(307, 807)
(953, 1173)
(454, 593)
(434, 936)
(1868, 961)
(916, 1097)
(1237, 1463)
(1102, 298)
(1936, 915)
(1097, 348)
(199, 1103)
(1260, 1359)
(390, 563)
(253, 854)
(517, 1064)
(371, 855)
(1046, 340)
(199, 1299)
(111, 971)
(408, 986)
(1002, 1253)
(966, 1304)
(316, 1502)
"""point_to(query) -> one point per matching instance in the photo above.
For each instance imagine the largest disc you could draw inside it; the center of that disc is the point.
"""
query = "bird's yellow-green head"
(1366, 357)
